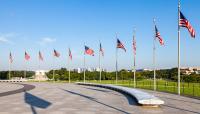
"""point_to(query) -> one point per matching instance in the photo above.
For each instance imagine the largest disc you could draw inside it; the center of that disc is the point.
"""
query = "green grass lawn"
(191, 89)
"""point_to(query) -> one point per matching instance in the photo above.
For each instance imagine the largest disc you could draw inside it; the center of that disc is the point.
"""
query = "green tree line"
(5, 74)
(167, 74)
(62, 74)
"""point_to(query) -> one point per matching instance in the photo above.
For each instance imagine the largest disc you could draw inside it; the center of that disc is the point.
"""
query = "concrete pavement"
(60, 98)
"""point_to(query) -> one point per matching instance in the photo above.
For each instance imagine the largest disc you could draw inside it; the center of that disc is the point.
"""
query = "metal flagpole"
(134, 57)
(99, 62)
(178, 48)
(53, 68)
(9, 61)
(9, 70)
(39, 64)
(25, 67)
(154, 58)
(39, 60)
(69, 63)
(69, 75)
(116, 62)
(25, 71)
(53, 75)
(84, 63)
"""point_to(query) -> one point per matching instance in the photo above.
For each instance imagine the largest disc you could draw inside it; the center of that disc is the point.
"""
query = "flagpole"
(69, 75)
(9, 62)
(39, 61)
(134, 58)
(53, 68)
(179, 48)
(154, 58)
(69, 63)
(84, 64)
(9, 70)
(99, 63)
(116, 62)
(25, 68)
(39, 64)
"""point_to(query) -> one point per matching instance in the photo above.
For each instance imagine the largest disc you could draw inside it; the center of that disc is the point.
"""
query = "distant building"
(80, 70)
(89, 69)
(40, 75)
(190, 70)
(102, 69)
(141, 70)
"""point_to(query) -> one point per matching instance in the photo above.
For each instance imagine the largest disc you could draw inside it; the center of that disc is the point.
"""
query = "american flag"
(158, 36)
(10, 58)
(183, 22)
(89, 51)
(134, 45)
(101, 50)
(27, 56)
(120, 45)
(55, 53)
(70, 54)
(40, 56)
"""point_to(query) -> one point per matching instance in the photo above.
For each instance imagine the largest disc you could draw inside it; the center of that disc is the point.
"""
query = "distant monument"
(40, 75)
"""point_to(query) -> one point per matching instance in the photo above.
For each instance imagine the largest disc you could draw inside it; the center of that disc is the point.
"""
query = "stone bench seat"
(142, 98)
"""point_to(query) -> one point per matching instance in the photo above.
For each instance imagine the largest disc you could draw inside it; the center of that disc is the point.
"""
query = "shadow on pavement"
(131, 100)
(179, 100)
(26, 87)
(35, 102)
(95, 100)
(194, 112)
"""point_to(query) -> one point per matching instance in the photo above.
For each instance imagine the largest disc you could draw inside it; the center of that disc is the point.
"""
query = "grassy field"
(190, 89)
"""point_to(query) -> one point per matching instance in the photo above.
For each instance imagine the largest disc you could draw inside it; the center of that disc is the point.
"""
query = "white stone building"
(40, 75)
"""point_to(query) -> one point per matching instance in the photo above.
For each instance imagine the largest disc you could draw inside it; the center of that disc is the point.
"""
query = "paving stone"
(60, 98)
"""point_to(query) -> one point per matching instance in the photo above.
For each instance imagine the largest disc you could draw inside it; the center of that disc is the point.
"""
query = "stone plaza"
(63, 98)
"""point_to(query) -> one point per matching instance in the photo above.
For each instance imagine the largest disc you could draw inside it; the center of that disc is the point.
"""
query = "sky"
(44, 25)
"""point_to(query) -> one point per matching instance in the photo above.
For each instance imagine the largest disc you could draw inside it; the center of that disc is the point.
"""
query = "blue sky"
(35, 25)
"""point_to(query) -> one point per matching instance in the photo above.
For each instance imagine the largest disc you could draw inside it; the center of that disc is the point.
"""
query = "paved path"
(13, 88)
(76, 99)
(9, 87)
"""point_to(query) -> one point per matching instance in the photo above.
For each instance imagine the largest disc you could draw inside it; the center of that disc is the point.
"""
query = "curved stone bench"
(143, 98)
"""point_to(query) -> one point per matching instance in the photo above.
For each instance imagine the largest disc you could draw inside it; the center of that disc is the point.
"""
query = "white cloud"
(5, 38)
(47, 40)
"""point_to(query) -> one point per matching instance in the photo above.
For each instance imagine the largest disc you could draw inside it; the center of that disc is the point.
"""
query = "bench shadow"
(96, 89)
(131, 100)
(95, 100)
(35, 102)
(182, 109)
(178, 100)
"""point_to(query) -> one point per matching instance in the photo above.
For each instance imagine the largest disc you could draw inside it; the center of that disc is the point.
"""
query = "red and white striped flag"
(40, 56)
(56, 54)
(70, 54)
(120, 45)
(134, 45)
(158, 36)
(183, 22)
(101, 50)
(10, 58)
(27, 56)
(89, 51)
